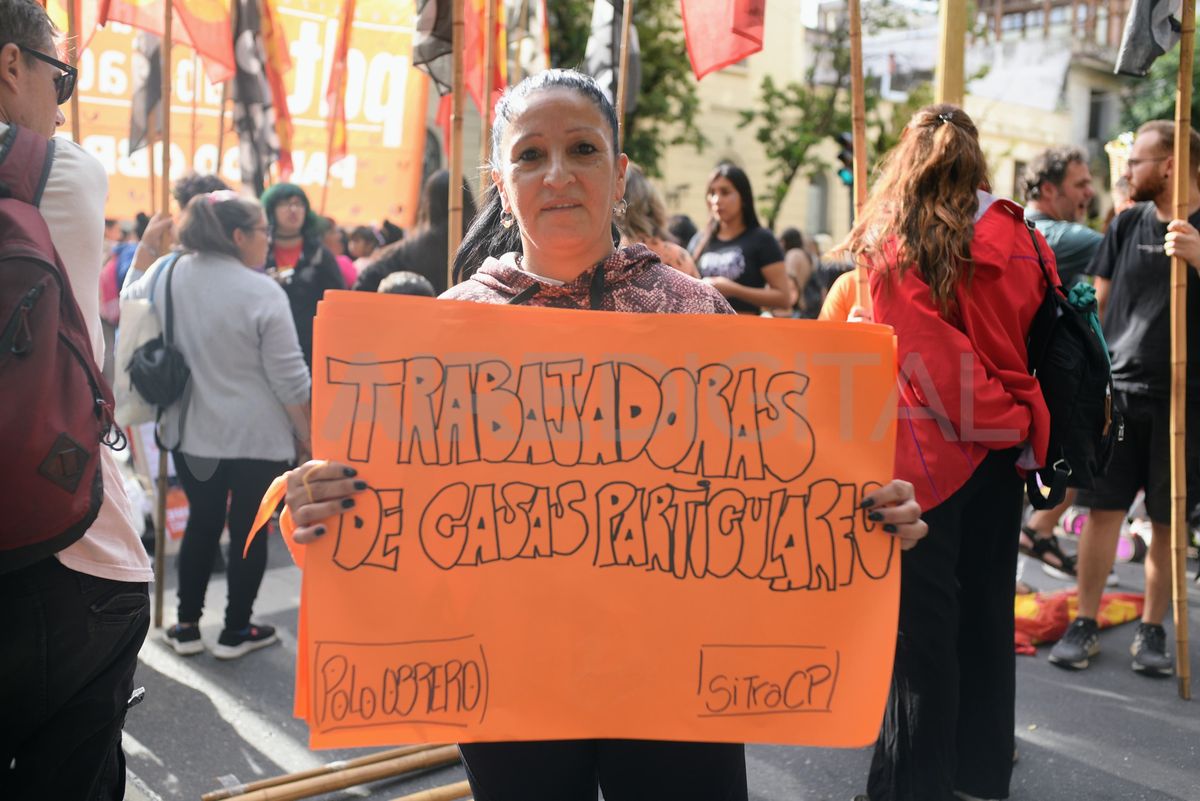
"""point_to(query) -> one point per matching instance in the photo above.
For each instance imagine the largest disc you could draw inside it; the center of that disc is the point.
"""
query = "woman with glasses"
(244, 417)
(297, 259)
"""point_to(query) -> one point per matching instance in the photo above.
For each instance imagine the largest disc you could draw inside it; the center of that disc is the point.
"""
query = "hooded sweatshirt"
(631, 279)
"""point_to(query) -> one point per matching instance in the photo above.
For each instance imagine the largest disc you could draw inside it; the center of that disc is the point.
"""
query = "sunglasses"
(64, 83)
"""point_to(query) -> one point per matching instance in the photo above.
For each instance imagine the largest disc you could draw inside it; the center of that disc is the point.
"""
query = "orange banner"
(598, 525)
(385, 104)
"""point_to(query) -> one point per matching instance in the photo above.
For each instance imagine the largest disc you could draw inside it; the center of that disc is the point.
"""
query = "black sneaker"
(232, 644)
(1149, 651)
(1078, 644)
(184, 639)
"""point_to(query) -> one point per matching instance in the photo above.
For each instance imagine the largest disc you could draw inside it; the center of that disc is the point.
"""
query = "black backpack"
(1069, 357)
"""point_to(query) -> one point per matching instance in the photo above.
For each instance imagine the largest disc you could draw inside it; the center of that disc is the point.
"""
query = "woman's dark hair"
(425, 250)
(366, 234)
(276, 194)
(791, 239)
(210, 220)
(736, 176)
(486, 237)
(194, 184)
(682, 229)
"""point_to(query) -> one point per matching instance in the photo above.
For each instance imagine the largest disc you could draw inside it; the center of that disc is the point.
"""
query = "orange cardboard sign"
(598, 525)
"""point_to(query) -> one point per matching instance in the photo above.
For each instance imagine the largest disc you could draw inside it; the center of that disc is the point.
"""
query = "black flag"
(253, 113)
(432, 50)
(1151, 29)
(146, 109)
(602, 60)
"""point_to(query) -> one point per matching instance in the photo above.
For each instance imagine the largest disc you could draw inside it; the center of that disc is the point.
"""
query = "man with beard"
(1133, 276)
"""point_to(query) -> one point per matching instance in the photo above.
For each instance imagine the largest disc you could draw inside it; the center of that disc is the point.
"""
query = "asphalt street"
(1105, 734)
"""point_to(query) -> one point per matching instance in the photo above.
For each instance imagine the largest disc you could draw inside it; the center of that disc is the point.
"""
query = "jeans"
(70, 646)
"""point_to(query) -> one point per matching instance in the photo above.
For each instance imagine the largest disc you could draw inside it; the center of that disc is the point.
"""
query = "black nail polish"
(347, 503)
(360, 485)
(889, 528)
(320, 532)
(867, 503)
(876, 516)
(350, 472)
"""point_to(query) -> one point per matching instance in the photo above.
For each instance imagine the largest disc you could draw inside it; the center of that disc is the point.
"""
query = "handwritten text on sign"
(649, 531)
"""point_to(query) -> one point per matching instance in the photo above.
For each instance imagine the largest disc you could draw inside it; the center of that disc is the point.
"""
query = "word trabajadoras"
(710, 422)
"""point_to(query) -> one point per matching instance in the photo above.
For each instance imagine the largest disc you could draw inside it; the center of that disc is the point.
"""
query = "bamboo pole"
(1185, 176)
(952, 37)
(197, 88)
(623, 71)
(449, 792)
(73, 60)
(454, 218)
(221, 126)
(485, 111)
(332, 767)
(164, 201)
(352, 777)
(858, 132)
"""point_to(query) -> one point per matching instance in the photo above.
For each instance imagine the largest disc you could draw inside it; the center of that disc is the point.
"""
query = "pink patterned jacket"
(631, 279)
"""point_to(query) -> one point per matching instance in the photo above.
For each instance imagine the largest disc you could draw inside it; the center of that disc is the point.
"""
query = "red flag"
(279, 62)
(473, 54)
(722, 32)
(202, 25)
(335, 92)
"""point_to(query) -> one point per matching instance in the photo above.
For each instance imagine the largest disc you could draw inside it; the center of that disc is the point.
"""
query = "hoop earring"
(620, 207)
(507, 219)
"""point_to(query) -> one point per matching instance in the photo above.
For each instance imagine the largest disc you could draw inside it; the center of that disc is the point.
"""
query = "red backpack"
(55, 406)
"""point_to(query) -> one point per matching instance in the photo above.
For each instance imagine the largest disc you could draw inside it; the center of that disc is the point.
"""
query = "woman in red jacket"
(954, 271)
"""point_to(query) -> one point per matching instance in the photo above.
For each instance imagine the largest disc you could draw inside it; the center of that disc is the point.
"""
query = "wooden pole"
(952, 39)
(73, 60)
(858, 132)
(352, 777)
(164, 201)
(332, 767)
(999, 19)
(197, 87)
(1185, 176)
(455, 210)
(449, 792)
(150, 171)
(485, 113)
(623, 72)
(221, 126)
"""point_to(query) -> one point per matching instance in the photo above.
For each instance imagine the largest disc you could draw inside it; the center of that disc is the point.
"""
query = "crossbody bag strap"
(169, 322)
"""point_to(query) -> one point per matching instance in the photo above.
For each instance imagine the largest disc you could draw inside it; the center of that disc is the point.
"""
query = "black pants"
(949, 719)
(232, 489)
(626, 770)
(68, 648)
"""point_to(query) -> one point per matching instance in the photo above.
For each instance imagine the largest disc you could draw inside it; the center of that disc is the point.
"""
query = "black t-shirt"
(1137, 320)
(741, 259)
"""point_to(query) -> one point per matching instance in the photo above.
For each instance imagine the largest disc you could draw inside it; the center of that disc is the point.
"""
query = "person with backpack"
(73, 572)
(954, 271)
(1058, 189)
(545, 238)
(1132, 271)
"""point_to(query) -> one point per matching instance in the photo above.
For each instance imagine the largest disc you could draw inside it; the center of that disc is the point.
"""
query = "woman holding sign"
(546, 238)
(955, 273)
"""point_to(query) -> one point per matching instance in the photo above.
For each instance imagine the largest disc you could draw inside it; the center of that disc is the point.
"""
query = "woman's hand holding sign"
(895, 505)
(318, 490)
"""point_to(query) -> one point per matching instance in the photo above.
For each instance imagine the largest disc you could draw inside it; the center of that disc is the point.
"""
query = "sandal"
(1040, 548)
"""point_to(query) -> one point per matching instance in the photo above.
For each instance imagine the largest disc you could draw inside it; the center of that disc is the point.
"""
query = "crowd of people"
(567, 222)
